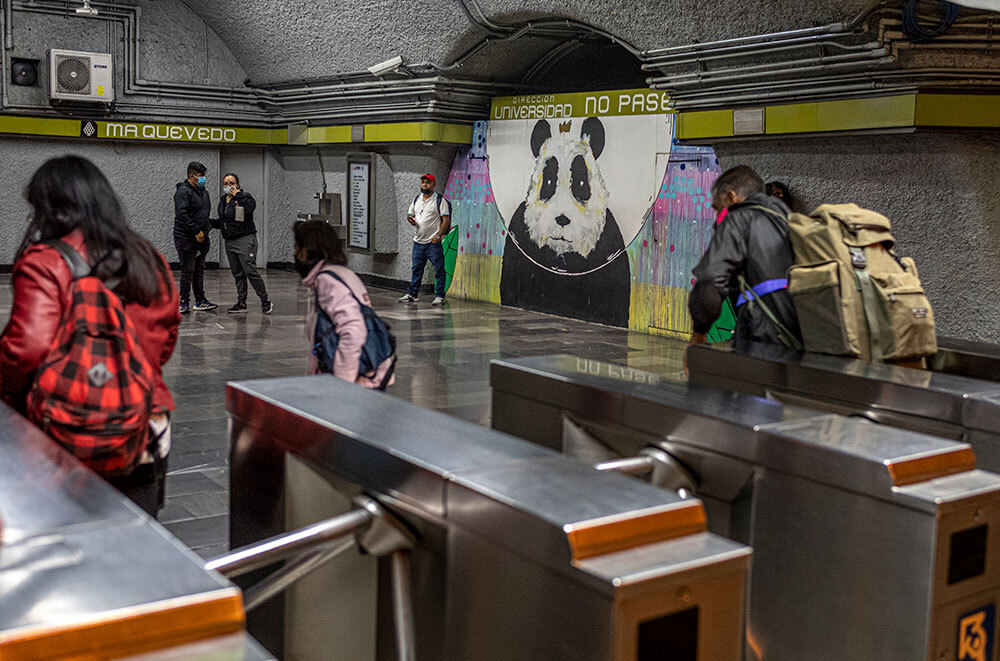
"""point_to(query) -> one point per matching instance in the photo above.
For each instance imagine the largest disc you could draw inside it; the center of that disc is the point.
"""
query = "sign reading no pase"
(582, 104)
(179, 133)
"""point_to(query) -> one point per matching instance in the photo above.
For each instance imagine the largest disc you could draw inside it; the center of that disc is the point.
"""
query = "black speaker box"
(23, 72)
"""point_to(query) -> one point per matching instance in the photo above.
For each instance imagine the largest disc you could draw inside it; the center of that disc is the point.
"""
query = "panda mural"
(564, 252)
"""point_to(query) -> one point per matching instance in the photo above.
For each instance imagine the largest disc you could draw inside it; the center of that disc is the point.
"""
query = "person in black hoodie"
(751, 240)
(235, 219)
(192, 208)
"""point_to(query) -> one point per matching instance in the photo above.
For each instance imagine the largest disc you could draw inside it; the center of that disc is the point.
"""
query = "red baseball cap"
(428, 176)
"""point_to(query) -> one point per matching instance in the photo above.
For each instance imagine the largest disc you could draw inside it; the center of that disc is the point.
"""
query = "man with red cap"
(430, 213)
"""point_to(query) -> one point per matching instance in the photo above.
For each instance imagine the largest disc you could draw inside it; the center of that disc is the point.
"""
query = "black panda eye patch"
(550, 177)
(581, 179)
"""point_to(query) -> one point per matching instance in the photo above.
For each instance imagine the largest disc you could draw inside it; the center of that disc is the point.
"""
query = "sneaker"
(238, 308)
(438, 300)
(204, 306)
(406, 298)
(185, 308)
(268, 307)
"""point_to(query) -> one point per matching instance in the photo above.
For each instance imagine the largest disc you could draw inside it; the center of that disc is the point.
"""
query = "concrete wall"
(175, 46)
(294, 177)
(940, 191)
(143, 174)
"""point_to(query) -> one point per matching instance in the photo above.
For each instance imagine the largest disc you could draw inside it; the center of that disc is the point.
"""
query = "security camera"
(388, 66)
(86, 9)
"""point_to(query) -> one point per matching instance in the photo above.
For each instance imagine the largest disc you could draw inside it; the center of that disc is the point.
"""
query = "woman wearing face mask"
(317, 253)
(235, 219)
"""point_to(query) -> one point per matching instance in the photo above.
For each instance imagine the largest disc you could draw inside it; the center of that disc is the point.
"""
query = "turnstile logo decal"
(975, 635)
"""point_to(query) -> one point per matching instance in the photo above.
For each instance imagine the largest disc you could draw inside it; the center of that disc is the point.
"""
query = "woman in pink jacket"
(317, 249)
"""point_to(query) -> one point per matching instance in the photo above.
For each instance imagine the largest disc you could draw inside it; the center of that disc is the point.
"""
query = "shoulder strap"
(78, 266)
(770, 212)
(439, 198)
(752, 297)
(341, 281)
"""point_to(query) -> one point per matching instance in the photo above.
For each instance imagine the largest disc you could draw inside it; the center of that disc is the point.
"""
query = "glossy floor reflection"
(444, 356)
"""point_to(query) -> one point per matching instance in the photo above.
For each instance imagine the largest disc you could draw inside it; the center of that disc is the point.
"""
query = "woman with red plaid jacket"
(72, 201)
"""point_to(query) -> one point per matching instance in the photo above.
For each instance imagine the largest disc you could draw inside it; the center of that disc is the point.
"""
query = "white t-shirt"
(425, 212)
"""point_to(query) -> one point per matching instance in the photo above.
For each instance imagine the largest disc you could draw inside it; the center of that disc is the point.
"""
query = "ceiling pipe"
(759, 70)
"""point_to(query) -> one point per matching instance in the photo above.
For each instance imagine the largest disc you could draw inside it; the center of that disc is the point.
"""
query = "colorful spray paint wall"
(555, 168)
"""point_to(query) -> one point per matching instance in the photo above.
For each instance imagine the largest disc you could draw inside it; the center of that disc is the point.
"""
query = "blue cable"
(913, 29)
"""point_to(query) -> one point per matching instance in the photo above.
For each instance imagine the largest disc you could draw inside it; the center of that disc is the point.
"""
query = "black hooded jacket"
(192, 209)
(753, 243)
(232, 228)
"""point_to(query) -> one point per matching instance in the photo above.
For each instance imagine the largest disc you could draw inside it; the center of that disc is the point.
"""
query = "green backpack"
(853, 296)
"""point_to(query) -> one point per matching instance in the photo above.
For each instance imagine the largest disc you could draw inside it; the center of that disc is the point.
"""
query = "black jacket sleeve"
(716, 273)
(217, 222)
(246, 201)
(184, 212)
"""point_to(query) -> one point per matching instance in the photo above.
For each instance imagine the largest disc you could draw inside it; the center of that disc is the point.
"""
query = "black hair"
(70, 193)
(319, 240)
(783, 193)
(233, 175)
(741, 180)
(194, 167)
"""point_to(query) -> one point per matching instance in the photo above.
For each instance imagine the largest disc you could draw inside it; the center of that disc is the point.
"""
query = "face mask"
(303, 268)
(202, 181)
(229, 190)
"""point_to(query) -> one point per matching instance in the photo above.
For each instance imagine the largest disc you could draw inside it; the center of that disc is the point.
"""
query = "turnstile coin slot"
(968, 554)
(673, 637)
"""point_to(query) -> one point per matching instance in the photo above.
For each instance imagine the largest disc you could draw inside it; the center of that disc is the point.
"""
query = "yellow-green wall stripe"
(919, 110)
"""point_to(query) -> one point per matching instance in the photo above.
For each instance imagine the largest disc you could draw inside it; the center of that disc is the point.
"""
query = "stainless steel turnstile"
(869, 542)
(85, 574)
(939, 403)
(516, 552)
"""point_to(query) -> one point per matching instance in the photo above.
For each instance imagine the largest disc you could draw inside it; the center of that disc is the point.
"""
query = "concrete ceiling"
(294, 39)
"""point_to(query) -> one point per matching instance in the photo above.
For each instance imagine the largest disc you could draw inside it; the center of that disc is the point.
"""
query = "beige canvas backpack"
(853, 296)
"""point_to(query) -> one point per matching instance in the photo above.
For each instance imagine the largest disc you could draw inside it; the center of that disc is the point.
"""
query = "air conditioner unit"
(76, 76)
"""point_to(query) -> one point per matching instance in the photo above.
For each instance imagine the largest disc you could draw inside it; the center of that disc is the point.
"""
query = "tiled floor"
(444, 356)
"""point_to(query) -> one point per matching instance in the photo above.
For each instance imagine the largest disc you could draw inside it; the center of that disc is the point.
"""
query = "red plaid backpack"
(94, 390)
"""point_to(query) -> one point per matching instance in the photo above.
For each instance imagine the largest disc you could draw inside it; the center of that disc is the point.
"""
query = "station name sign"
(175, 133)
(581, 104)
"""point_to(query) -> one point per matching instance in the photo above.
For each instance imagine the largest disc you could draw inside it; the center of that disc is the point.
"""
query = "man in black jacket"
(750, 240)
(192, 208)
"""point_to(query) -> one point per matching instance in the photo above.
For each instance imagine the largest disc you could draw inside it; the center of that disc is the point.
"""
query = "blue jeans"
(421, 253)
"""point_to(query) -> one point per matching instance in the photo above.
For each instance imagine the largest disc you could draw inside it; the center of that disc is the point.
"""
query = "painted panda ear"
(593, 128)
(539, 135)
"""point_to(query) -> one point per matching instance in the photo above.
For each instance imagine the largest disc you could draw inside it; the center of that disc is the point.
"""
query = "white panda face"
(567, 199)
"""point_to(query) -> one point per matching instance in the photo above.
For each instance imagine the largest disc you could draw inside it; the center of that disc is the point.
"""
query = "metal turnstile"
(85, 574)
(869, 542)
(515, 551)
(939, 403)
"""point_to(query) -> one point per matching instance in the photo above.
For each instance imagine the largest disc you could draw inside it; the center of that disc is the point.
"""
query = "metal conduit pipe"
(764, 69)
(746, 49)
(778, 94)
(758, 51)
(691, 99)
(833, 28)
(8, 25)
(472, 19)
(817, 68)
(746, 91)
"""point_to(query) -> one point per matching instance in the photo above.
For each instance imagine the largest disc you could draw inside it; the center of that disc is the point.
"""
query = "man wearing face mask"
(430, 214)
(192, 209)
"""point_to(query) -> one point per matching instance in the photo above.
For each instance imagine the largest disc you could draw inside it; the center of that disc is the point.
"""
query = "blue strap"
(764, 288)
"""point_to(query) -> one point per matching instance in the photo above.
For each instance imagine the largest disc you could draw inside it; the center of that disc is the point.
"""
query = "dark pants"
(191, 255)
(421, 253)
(242, 253)
(144, 486)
